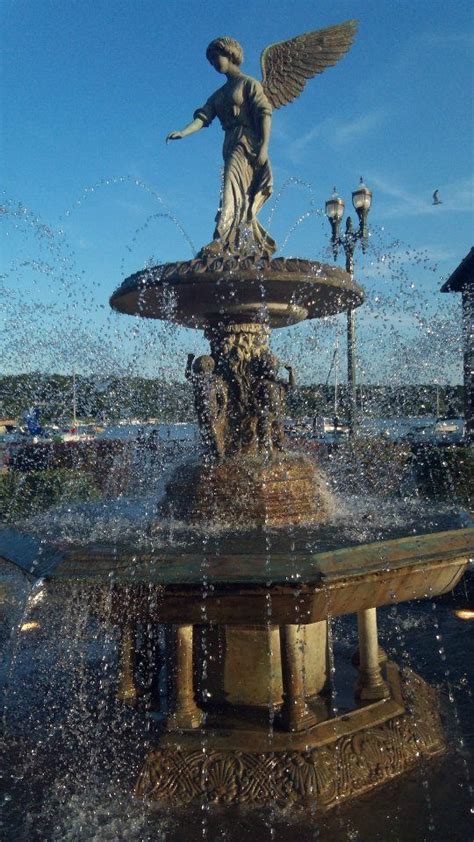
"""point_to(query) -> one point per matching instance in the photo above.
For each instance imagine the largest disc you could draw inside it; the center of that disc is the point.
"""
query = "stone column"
(295, 714)
(186, 713)
(370, 684)
(127, 690)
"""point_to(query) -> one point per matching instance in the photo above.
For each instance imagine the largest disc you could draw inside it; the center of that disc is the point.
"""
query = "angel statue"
(244, 108)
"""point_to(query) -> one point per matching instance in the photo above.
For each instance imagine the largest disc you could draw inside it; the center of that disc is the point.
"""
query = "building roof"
(462, 277)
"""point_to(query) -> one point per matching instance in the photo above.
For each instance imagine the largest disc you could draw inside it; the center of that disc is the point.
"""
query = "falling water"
(72, 751)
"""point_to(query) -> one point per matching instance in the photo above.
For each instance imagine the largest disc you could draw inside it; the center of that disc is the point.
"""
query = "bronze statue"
(239, 410)
(210, 401)
(270, 398)
(244, 107)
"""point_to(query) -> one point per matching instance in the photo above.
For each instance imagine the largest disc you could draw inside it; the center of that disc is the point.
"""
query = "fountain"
(244, 562)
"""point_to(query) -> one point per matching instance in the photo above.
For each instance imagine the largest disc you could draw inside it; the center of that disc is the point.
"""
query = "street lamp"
(335, 212)
(362, 200)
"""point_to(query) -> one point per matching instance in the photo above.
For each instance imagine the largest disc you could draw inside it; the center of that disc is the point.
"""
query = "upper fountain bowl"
(203, 293)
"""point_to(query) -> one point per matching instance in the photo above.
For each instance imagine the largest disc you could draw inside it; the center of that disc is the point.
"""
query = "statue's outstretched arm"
(191, 128)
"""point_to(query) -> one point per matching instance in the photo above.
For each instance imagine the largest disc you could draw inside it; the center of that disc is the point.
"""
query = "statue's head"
(225, 46)
(204, 365)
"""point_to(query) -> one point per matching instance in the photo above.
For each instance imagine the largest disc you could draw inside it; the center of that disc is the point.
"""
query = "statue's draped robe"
(241, 107)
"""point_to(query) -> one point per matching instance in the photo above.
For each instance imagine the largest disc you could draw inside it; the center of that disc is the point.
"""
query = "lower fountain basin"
(247, 583)
(262, 599)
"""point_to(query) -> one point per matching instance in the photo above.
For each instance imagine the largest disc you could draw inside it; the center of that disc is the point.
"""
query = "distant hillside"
(138, 397)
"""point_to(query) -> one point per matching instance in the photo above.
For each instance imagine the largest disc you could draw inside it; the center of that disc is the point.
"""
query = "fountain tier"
(221, 290)
(239, 398)
(245, 492)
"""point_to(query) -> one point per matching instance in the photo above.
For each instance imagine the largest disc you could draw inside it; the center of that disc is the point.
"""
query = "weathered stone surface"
(247, 492)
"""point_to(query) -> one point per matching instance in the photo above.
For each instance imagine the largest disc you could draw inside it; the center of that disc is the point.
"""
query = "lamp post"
(362, 200)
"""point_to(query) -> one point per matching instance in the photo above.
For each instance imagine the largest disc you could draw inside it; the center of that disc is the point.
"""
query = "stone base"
(249, 492)
(337, 759)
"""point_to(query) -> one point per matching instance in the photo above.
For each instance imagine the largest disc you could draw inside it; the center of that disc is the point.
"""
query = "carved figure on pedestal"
(234, 348)
(238, 396)
(269, 402)
(210, 401)
(244, 107)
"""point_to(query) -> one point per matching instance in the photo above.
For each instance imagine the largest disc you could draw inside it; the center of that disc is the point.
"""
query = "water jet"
(240, 569)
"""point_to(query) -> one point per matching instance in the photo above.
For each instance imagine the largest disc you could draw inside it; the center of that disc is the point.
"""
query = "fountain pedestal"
(252, 671)
(219, 740)
(320, 765)
(287, 489)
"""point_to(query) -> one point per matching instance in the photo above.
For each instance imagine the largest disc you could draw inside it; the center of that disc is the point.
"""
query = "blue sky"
(89, 91)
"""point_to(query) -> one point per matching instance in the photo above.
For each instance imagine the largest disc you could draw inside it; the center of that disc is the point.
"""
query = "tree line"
(113, 398)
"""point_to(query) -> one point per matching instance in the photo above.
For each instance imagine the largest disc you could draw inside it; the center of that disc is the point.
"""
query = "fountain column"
(295, 713)
(186, 713)
(370, 684)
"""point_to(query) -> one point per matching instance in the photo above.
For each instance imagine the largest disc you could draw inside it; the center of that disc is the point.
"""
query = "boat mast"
(74, 400)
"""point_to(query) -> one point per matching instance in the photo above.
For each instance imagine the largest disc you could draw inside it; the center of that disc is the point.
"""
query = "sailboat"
(446, 426)
(77, 431)
(323, 425)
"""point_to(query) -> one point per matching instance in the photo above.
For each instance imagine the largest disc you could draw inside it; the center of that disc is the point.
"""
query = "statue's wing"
(287, 65)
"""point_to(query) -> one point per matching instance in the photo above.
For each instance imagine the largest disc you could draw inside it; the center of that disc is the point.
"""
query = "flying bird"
(436, 199)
